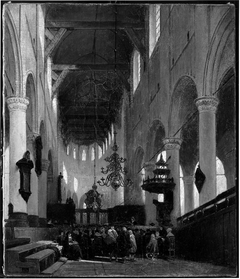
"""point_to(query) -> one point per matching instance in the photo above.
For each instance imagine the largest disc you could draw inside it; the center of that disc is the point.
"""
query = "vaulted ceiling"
(91, 47)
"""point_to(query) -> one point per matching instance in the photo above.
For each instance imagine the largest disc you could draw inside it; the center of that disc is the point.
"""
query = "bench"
(42, 260)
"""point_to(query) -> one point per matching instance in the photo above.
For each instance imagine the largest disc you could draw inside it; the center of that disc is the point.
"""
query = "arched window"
(181, 191)
(103, 148)
(112, 131)
(136, 69)
(93, 153)
(84, 205)
(75, 184)
(154, 26)
(67, 149)
(106, 143)
(74, 153)
(109, 138)
(221, 180)
(99, 152)
(65, 175)
(84, 155)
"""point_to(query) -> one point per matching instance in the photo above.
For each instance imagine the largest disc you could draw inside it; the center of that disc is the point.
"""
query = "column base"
(33, 220)
(17, 219)
(42, 222)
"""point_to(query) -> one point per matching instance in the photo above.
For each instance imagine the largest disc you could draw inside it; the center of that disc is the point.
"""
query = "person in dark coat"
(124, 244)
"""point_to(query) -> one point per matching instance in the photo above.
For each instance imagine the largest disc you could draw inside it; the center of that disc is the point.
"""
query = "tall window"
(154, 25)
(112, 131)
(143, 178)
(221, 180)
(67, 149)
(109, 138)
(74, 153)
(103, 148)
(99, 152)
(93, 153)
(136, 69)
(84, 155)
(181, 191)
(106, 143)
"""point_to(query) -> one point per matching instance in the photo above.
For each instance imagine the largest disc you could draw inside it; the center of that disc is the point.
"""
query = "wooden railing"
(209, 233)
(222, 201)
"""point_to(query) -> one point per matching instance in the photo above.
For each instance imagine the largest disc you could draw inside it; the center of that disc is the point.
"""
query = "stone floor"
(142, 268)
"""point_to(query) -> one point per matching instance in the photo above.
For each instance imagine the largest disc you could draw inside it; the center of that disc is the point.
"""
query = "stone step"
(18, 253)
(42, 260)
(16, 242)
(53, 268)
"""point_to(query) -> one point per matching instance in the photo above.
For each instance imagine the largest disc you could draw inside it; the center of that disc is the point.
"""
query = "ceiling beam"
(54, 75)
(50, 47)
(136, 41)
(59, 80)
(93, 24)
(90, 67)
(49, 34)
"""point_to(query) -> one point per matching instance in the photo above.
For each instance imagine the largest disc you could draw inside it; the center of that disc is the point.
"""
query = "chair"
(171, 248)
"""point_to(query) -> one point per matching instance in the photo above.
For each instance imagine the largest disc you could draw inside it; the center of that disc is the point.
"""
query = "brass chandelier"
(116, 172)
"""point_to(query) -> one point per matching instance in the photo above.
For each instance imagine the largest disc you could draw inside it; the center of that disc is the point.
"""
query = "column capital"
(45, 164)
(149, 166)
(207, 103)
(17, 103)
(172, 143)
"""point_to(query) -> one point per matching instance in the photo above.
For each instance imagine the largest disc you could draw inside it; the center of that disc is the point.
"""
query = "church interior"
(118, 114)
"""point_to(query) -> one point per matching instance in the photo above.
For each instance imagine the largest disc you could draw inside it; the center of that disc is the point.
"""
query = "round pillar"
(150, 208)
(207, 107)
(188, 193)
(32, 206)
(172, 146)
(17, 146)
(42, 194)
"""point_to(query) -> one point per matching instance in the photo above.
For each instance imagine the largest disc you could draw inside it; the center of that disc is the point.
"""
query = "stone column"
(32, 206)
(172, 146)
(150, 208)
(17, 146)
(207, 145)
(42, 194)
(188, 193)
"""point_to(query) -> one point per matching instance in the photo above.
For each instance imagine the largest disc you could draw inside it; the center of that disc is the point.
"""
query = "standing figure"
(123, 242)
(133, 248)
(152, 247)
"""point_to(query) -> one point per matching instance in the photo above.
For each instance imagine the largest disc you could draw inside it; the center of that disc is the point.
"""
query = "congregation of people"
(117, 244)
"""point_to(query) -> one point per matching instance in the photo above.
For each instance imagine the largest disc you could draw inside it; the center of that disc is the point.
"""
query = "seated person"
(71, 248)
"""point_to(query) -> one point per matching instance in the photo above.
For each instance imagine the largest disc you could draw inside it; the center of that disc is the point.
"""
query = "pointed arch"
(219, 40)
(9, 23)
